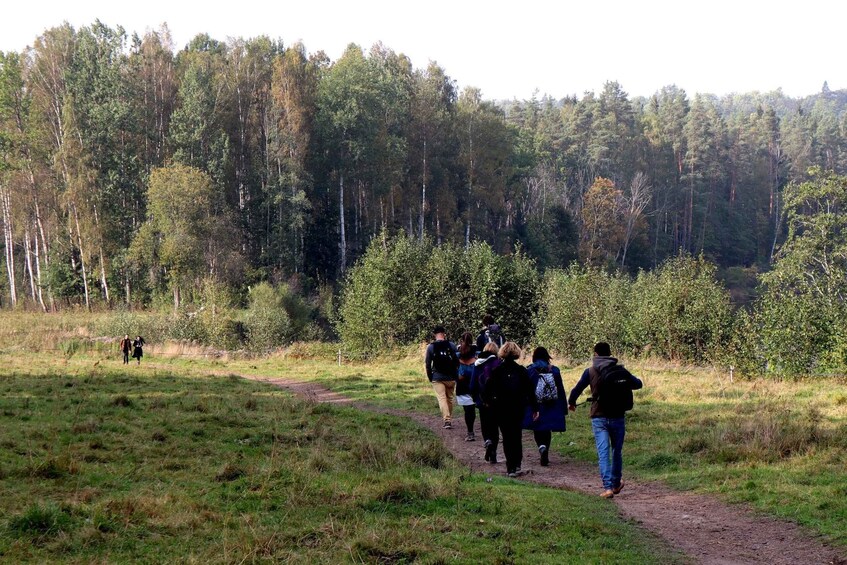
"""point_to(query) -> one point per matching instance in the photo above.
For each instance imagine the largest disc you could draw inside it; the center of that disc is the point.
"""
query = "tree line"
(134, 173)
(680, 311)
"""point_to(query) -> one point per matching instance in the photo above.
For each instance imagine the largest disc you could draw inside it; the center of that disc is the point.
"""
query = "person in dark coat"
(126, 347)
(490, 333)
(551, 413)
(483, 367)
(138, 349)
(467, 358)
(509, 392)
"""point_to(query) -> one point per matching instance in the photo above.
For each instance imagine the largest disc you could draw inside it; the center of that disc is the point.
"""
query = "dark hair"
(439, 329)
(467, 347)
(540, 354)
(602, 349)
(487, 320)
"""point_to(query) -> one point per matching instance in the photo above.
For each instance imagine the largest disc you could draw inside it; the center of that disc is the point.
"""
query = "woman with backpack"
(546, 382)
(467, 358)
(483, 367)
(509, 393)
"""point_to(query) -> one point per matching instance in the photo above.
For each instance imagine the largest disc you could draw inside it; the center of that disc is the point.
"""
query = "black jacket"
(509, 390)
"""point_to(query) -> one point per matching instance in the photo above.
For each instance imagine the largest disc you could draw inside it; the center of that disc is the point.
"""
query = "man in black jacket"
(442, 368)
(608, 381)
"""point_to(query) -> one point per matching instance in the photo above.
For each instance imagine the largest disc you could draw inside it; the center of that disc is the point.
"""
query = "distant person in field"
(126, 348)
(611, 397)
(483, 367)
(546, 380)
(508, 392)
(138, 349)
(442, 368)
(491, 333)
(467, 358)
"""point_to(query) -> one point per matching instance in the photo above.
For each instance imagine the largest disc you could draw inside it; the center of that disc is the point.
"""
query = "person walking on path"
(490, 333)
(442, 364)
(138, 349)
(467, 358)
(509, 392)
(546, 380)
(126, 347)
(483, 367)
(611, 397)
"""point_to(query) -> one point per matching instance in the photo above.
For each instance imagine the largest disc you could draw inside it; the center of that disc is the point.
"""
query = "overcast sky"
(512, 49)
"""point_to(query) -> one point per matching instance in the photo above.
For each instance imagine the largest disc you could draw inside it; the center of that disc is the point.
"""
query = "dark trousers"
(543, 437)
(470, 417)
(510, 427)
(488, 425)
(126, 357)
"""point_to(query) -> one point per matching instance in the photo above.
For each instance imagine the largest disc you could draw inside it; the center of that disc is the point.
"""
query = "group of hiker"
(483, 375)
(135, 346)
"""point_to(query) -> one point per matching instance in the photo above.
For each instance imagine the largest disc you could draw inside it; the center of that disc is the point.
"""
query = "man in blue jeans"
(608, 419)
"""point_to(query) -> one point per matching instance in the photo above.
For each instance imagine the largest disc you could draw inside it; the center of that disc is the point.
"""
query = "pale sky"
(511, 49)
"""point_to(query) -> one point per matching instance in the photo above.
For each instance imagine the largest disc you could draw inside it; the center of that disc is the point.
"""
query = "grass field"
(106, 464)
(777, 445)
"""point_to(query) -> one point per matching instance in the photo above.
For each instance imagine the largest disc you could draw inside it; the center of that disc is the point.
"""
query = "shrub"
(402, 287)
(581, 306)
(679, 311)
(266, 322)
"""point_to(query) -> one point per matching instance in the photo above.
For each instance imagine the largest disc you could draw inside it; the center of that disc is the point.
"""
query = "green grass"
(139, 464)
(780, 446)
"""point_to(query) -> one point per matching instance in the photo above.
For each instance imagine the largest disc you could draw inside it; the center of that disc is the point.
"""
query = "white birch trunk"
(423, 197)
(5, 196)
(343, 237)
(38, 273)
(82, 258)
(28, 259)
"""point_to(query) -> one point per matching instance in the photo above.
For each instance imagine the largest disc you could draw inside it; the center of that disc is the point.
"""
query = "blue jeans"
(608, 435)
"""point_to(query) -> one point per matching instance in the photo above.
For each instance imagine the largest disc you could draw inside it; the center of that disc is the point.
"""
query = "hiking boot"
(545, 457)
(608, 493)
(470, 437)
(448, 425)
(512, 474)
(619, 488)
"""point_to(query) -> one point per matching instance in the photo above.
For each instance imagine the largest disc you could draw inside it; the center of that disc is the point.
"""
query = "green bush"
(266, 322)
(581, 306)
(680, 311)
(402, 287)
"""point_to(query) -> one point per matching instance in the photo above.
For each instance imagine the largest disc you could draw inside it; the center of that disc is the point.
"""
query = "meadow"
(181, 457)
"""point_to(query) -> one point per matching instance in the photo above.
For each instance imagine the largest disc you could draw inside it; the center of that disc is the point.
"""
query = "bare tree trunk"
(423, 197)
(342, 243)
(38, 274)
(437, 225)
(5, 196)
(103, 281)
(82, 258)
(127, 289)
(28, 261)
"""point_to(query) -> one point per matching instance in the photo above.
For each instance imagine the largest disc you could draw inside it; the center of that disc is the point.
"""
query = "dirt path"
(702, 527)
